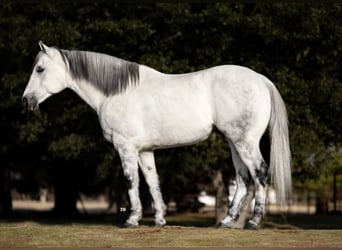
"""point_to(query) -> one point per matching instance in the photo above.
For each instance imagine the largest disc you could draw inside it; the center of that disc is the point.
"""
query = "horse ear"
(42, 46)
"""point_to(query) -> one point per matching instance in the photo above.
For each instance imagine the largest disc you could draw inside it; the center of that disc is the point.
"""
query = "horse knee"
(130, 175)
(130, 168)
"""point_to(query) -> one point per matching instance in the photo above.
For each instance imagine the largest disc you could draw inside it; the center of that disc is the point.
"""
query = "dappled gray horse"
(141, 109)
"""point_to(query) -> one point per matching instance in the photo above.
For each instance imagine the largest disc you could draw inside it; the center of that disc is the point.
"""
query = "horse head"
(49, 76)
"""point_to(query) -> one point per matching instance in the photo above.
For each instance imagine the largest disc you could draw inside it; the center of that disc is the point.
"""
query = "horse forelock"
(109, 74)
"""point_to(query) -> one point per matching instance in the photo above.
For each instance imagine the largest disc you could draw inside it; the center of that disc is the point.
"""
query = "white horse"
(141, 109)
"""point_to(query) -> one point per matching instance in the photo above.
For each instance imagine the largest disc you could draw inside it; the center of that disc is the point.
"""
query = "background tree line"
(297, 46)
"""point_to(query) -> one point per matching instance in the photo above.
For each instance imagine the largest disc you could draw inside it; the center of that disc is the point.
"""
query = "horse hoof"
(159, 223)
(252, 226)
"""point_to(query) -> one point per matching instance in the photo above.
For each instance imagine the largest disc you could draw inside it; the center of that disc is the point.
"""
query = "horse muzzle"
(30, 102)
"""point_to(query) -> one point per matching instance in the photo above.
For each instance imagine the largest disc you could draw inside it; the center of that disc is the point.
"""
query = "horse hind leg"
(260, 197)
(242, 182)
(148, 168)
(252, 158)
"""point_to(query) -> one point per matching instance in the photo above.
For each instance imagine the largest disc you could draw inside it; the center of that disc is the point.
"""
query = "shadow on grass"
(304, 221)
(273, 221)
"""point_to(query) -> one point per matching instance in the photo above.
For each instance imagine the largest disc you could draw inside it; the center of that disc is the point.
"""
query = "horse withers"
(141, 110)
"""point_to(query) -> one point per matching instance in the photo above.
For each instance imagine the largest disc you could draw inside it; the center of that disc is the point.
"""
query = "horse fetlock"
(259, 209)
(159, 215)
(133, 220)
(160, 209)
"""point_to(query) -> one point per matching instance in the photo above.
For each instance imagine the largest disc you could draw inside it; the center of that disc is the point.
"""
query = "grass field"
(190, 230)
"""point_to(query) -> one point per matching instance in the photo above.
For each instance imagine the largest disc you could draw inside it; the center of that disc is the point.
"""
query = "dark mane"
(109, 74)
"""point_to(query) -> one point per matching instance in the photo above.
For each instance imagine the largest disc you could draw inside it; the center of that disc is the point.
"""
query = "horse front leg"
(129, 161)
(148, 168)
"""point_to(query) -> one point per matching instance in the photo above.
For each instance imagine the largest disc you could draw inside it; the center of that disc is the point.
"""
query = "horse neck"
(92, 96)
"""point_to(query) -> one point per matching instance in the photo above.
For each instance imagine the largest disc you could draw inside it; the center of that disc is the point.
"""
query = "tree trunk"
(221, 205)
(321, 205)
(322, 201)
(5, 191)
(66, 190)
(120, 196)
(335, 191)
(65, 200)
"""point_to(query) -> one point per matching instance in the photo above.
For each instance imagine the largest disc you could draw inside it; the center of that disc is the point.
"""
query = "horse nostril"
(30, 102)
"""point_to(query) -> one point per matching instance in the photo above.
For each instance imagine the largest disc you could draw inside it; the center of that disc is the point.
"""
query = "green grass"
(193, 231)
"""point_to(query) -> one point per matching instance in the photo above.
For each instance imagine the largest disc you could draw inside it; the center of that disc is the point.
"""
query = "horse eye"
(39, 69)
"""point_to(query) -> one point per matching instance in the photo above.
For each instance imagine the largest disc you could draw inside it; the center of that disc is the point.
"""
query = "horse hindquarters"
(243, 118)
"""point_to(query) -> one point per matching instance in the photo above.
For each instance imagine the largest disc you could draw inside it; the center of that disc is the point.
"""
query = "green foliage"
(69, 147)
(298, 46)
